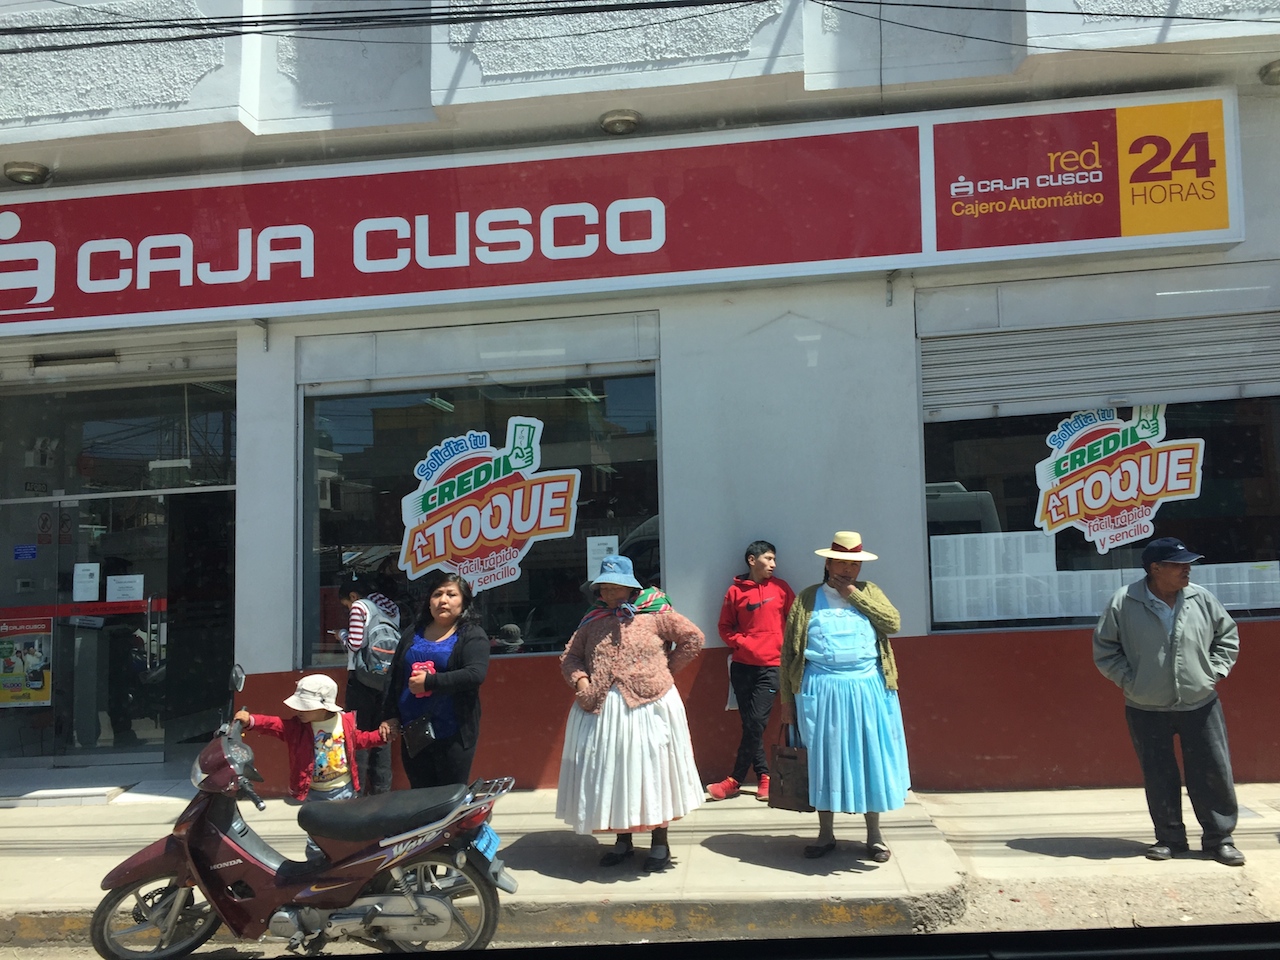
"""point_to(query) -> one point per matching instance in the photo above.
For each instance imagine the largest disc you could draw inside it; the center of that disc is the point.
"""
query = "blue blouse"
(439, 706)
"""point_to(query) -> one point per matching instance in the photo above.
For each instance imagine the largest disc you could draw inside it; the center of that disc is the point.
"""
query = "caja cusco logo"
(1107, 477)
(477, 509)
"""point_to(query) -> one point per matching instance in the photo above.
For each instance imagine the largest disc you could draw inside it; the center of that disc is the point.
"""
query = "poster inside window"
(1039, 519)
(518, 488)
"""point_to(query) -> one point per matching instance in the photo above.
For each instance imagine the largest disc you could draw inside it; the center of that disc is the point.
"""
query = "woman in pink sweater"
(628, 760)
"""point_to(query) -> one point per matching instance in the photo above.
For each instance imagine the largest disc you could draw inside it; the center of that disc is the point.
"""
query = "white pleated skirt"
(626, 768)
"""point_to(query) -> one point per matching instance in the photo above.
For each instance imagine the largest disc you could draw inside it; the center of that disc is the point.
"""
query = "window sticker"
(478, 509)
(1108, 477)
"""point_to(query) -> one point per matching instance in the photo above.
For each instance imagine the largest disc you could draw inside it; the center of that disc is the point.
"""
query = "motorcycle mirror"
(237, 678)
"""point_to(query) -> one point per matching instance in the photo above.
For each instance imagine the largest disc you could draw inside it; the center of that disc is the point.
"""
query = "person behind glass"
(839, 684)
(363, 603)
(439, 665)
(1167, 643)
(321, 741)
(751, 619)
(628, 759)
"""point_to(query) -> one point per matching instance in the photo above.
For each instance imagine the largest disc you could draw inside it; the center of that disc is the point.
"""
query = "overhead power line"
(122, 30)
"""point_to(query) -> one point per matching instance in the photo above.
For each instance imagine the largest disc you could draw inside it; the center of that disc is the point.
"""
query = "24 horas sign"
(1108, 477)
(479, 509)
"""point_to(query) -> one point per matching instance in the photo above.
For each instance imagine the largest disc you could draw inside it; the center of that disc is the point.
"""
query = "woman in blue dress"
(839, 686)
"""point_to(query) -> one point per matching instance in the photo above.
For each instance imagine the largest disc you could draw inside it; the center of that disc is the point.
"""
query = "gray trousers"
(1202, 734)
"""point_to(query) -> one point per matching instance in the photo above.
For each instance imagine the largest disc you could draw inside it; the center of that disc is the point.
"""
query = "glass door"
(113, 604)
(83, 628)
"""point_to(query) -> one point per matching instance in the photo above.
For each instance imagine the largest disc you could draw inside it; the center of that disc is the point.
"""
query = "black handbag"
(789, 773)
(418, 735)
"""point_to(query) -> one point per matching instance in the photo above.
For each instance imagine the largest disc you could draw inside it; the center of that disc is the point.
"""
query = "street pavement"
(739, 870)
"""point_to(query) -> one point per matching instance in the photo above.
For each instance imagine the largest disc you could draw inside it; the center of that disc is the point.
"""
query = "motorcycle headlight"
(198, 775)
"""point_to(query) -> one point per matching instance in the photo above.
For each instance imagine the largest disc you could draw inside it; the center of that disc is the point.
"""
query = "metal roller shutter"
(968, 376)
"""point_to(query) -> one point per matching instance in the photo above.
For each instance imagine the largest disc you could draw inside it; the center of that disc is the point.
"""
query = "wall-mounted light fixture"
(1270, 74)
(87, 358)
(440, 403)
(619, 123)
(26, 172)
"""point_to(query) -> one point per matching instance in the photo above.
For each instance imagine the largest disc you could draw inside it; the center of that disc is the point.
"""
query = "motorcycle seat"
(371, 818)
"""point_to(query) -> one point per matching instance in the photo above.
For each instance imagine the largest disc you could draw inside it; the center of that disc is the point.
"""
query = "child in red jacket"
(322, 742)
(751, 620)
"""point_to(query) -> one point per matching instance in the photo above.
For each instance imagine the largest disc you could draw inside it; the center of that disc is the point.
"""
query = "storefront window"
(1022, 532)
(156, 437)
(597, 434)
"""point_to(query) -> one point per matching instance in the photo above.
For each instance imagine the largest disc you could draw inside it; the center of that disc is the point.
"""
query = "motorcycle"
(412, 870)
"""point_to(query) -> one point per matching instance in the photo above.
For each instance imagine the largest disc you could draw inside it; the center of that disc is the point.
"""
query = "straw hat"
(846, 545)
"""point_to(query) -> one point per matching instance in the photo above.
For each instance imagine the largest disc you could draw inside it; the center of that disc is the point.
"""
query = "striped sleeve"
(355, 626)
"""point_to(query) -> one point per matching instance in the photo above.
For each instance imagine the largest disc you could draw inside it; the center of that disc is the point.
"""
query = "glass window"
(1005, 552)
(363, 454)
(100, 441)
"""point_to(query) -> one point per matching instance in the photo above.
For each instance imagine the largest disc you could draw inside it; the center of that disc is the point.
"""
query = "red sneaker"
(725, 789)
(762, 788)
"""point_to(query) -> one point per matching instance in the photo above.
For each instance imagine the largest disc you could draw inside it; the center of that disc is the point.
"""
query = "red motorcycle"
(413, 870)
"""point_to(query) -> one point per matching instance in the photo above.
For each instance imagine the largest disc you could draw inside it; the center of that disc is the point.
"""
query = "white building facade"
(996, 289)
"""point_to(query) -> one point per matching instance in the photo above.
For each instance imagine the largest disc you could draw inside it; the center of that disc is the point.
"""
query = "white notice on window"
(124, 588)
(84, 583)
(597, 549)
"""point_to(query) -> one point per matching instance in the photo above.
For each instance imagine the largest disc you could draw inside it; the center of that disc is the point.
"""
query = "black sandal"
(616, 856)
(816, 850)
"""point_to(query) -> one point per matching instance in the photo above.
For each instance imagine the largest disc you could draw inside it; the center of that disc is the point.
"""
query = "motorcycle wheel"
(470, 898)
(157, 919)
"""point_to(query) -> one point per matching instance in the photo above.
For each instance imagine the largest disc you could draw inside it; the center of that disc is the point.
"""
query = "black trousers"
(1203, 736)
(755, 688)
(443, 763)
(373, 764)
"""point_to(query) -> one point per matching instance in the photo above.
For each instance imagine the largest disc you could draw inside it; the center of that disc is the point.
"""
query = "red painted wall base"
(983, 711)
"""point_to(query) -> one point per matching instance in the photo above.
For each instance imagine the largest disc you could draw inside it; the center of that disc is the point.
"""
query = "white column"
(266, 501)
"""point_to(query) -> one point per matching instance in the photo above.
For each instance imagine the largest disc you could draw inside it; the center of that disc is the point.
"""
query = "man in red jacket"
(751, 620)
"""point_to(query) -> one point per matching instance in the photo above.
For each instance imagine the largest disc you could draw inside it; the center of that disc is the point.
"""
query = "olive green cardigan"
(870, 600)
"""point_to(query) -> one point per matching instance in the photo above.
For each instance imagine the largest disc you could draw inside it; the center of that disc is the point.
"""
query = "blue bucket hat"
(616, 569)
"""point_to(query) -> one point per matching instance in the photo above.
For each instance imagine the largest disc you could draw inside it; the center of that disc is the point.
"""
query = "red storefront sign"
(345, 237)
(1132, 171)
(818, 199)
(995, 180)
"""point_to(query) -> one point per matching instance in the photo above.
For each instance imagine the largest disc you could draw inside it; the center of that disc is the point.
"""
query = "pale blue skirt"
(852, 726)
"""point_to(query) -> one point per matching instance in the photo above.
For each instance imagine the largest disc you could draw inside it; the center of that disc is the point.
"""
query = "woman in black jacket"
(435, 680)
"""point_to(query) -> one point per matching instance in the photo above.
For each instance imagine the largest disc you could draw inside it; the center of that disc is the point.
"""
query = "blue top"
(439, 706)
(840, 636)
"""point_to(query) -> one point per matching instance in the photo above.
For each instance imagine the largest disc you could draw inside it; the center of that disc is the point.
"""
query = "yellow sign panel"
(1173, 176)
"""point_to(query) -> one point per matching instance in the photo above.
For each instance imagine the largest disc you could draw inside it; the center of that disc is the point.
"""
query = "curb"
(609, 921)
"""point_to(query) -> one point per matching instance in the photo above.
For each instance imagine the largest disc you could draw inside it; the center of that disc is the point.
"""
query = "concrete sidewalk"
(739, 870)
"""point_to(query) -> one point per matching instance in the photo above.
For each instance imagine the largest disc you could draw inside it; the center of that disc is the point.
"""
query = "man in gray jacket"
(1167, 642)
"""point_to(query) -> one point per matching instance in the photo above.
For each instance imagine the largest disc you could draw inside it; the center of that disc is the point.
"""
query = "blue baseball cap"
(616, 569)
(1167, 550)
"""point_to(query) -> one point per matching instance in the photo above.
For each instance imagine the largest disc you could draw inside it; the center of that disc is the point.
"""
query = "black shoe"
(1227, 854)
(1165, 851)
(616, 856)
(816, 850)
(657, 864)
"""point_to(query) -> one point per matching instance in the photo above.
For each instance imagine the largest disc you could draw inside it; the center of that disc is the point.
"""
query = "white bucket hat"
(846, 545)
(316, 692)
